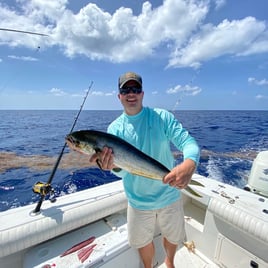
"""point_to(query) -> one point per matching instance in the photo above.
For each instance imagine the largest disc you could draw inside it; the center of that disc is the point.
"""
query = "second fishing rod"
(44, 189)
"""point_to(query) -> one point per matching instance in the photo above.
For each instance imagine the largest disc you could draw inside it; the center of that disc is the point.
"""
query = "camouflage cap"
(124, 78)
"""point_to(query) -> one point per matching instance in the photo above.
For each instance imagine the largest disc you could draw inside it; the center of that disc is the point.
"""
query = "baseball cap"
(124, 78)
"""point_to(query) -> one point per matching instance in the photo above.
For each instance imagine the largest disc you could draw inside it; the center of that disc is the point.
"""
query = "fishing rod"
(25, 32)
(44, 189)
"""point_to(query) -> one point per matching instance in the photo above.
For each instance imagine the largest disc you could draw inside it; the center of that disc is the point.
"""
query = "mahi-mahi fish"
(126, 156)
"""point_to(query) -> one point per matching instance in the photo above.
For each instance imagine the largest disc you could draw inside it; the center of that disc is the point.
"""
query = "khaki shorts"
(142, 224)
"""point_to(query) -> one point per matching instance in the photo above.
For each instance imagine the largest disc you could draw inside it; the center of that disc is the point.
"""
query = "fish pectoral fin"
(191, 191)
(197, 183)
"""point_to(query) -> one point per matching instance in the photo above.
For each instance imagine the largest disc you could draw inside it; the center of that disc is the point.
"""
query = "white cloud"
(57, 92)
(259, 97)
(97, 93)
(219, 4)
(251, 79)
(23, 58)
(102, 93)
(263, 82)
(187, 90)
(118, 37)
(110, 93)
(76, 95)
(122, 36)
(236, 37)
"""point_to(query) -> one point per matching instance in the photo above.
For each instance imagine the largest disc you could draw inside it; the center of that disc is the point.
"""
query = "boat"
(225, 227)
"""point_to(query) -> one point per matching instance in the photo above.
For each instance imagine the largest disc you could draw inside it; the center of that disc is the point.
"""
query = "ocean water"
(31, 141)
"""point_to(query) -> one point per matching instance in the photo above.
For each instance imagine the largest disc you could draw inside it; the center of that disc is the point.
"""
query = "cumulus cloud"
(57, 92)
(123, 36)
(262, 82)
(186, 90)
(215, 41)
(24, 58)
(219, 4)
(260, 97)
(102, 93)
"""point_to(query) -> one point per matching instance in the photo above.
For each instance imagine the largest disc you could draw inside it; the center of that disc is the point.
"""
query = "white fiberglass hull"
(228, 228)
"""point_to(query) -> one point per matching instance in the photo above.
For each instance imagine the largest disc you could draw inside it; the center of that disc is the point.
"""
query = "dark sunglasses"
(127, 90)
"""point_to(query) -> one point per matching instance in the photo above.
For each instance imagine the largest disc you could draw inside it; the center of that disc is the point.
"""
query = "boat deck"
(111, 240)
(185, 258)
(228, 227)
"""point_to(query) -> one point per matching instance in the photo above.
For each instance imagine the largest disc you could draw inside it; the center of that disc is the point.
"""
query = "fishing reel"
(44, 189)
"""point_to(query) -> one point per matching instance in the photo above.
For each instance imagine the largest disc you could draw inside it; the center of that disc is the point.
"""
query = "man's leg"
(141, 228)
(171, 223)
(170, 251)
(147, 255)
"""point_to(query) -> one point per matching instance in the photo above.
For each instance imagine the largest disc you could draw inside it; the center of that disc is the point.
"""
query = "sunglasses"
(127, 90)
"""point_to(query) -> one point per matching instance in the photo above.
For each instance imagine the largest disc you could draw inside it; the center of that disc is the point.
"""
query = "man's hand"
(180, 176)
(104, 159)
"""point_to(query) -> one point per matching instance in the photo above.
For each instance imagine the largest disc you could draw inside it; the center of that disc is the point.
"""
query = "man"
(152, 202)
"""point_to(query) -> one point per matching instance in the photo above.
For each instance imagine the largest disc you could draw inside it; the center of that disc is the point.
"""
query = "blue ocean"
(31, 141)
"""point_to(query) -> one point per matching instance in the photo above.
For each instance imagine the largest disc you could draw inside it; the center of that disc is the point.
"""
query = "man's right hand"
(104, 159)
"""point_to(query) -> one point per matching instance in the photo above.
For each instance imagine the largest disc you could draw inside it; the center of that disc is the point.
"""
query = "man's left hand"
(180, 176)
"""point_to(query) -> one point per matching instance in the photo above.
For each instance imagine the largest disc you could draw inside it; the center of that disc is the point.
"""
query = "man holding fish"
(151, 202)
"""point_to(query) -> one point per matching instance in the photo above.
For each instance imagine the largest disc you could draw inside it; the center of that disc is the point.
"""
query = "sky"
(191, 54)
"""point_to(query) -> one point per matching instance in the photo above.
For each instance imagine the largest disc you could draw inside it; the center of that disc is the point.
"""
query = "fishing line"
(4, 85)
(180, 97)
(15, 76)
(44, 189)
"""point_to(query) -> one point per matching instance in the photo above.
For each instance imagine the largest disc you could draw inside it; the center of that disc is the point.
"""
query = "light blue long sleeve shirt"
(152, 131)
